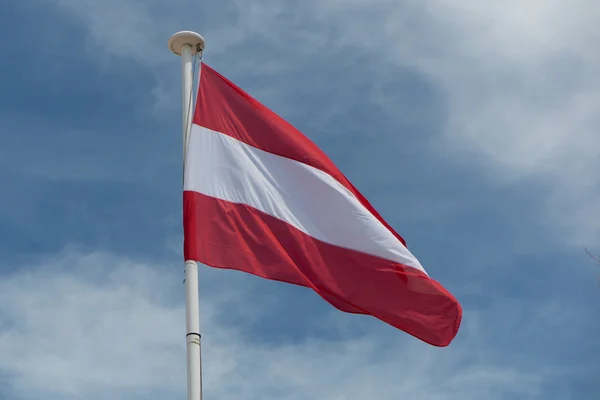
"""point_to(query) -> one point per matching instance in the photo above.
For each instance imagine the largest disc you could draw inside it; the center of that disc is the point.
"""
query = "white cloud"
(94, 325)
(520, 81)
(81, 324)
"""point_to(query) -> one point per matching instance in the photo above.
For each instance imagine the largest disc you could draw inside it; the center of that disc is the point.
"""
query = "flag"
(260, 197)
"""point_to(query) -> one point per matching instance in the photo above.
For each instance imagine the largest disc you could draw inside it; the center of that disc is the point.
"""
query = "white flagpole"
(187, 44)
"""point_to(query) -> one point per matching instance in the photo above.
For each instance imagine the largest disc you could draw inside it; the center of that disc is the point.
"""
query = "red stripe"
(224, 107)
(234, 236)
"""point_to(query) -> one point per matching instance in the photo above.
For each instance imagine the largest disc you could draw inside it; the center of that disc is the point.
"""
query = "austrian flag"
(260, 197)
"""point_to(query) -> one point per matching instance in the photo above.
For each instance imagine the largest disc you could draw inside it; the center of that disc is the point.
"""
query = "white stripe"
(303, 196)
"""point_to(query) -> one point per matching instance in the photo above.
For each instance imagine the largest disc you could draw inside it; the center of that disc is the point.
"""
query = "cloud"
(94, 325)
(519, 81)
(66, 333)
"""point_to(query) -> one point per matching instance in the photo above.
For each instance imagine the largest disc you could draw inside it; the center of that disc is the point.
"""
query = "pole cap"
(186, 37)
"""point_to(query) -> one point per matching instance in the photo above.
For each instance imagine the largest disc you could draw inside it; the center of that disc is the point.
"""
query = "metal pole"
(186, 44)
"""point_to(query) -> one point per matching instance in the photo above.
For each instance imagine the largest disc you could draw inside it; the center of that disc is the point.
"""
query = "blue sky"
(472, 129)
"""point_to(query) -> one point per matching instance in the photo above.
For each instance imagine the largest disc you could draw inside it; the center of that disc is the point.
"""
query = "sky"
(472, 127)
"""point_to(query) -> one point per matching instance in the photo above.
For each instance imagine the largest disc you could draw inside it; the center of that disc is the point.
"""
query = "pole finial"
(186, 37)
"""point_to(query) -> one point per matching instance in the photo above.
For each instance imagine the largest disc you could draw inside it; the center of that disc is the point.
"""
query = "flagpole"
(186, 44)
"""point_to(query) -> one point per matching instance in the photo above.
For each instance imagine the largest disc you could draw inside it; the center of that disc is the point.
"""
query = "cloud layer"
(95, 325)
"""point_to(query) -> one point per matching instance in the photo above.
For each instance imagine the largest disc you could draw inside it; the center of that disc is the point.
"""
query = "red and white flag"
(260, 197)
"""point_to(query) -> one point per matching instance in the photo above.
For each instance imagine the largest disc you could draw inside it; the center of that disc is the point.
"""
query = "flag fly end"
(179, 39)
